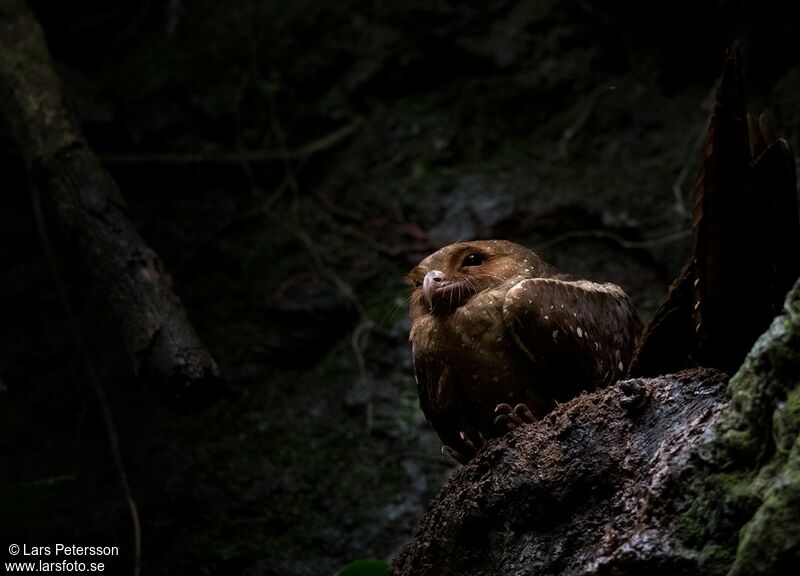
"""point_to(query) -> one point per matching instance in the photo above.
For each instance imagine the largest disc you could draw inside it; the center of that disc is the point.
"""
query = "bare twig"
(585, 112)
(235, 157)
(605, 234)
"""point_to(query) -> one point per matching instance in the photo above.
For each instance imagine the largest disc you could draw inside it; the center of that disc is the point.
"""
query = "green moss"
(786, 422)
(770, 543)
(721, 501)
(714, 559)
(756, 444)
(763, 428)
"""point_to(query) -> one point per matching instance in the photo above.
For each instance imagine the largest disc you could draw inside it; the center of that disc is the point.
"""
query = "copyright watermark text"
(59, 558)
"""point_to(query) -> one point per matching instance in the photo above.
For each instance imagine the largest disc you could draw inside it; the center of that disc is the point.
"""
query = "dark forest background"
(290, 162)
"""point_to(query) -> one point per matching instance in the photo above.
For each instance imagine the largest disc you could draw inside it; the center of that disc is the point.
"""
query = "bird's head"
(451, 276)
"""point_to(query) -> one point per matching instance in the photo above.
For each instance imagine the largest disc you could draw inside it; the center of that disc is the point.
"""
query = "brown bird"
(493, 326)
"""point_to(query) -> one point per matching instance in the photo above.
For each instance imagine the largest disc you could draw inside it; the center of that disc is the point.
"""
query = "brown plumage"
(492, 323)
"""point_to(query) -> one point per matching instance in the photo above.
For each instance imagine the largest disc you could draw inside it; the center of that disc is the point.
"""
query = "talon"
(465, 439)
(503, 409)
(454, 454)
(506, 419)
(524, 413)
(509, 418)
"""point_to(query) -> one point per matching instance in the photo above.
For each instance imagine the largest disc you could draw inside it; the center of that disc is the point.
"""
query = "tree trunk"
(87, 203)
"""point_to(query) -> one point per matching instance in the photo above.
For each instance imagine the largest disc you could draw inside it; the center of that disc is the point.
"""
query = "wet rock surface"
(577, 493)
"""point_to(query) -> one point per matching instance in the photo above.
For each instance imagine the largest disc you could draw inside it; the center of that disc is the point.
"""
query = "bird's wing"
(580, 333)
(422, 376)
(439, 399)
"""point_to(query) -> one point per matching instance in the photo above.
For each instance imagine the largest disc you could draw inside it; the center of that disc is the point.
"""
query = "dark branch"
(84, 199)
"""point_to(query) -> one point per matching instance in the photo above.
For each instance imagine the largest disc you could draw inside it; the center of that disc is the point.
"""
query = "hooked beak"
(433, 280)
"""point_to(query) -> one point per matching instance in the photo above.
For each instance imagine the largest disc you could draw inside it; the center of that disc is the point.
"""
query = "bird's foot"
(470, 448)
(509, 418)
(454, 454)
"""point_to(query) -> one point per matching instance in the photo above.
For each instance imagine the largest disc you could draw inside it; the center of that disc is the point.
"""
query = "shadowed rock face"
(577, 493)
(655, 476)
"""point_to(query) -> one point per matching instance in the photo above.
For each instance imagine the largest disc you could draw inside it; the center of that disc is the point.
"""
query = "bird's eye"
(473, 259)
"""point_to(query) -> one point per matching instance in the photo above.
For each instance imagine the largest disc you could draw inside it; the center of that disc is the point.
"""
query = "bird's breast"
(468, 355)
